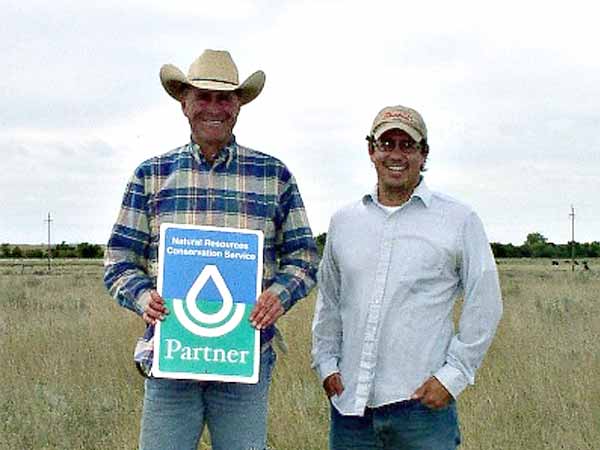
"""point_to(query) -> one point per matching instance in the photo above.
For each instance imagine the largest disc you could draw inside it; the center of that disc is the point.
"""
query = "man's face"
(211, 114)
(398, 169)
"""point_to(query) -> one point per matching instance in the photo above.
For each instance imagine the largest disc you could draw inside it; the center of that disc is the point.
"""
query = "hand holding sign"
(155, 309)
(267, 310)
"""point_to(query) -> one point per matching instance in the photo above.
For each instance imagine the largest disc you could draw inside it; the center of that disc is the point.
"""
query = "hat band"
(213, 79)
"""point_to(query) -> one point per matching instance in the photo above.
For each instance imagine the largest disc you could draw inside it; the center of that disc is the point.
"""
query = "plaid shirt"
(243, 188)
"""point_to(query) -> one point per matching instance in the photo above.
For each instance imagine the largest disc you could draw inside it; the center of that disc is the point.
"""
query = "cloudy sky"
(509, 90)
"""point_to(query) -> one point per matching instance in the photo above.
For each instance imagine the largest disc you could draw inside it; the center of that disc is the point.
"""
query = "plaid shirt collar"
(226, 154)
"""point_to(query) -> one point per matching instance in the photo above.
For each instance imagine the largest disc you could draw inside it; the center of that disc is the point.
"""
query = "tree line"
(62, 250)
(536, 245)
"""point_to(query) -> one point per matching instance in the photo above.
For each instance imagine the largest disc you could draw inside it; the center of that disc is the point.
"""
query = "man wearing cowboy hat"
(213, 181)
(384, 343)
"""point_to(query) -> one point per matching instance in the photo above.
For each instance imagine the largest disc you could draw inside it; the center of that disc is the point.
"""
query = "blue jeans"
(405, 425)
(175, 412)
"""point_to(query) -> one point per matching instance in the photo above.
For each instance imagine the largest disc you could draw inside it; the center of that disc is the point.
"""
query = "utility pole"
(572, 216)
(48, 221)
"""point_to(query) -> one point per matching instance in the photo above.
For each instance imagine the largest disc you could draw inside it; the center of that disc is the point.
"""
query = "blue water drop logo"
(210, 272)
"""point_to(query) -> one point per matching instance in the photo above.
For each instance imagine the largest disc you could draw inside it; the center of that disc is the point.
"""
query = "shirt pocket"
(417, 257)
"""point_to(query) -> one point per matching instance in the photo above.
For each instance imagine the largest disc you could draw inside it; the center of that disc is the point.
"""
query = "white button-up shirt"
(387, 287)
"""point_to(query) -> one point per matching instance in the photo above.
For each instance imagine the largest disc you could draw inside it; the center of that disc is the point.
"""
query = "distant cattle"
(555, 263)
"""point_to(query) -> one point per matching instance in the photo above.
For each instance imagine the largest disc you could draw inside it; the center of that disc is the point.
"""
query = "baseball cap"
(402, 117)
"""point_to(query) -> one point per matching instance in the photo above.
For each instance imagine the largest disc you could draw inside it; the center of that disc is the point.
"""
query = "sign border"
(156, 371)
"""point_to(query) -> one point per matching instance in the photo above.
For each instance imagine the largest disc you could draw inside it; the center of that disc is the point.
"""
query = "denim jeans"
(407, 425)
(175, 412)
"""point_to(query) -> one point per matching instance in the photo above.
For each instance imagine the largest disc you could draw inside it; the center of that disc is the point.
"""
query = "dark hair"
(425, 153)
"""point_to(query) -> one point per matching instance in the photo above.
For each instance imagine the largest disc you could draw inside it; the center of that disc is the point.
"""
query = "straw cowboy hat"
(213, 70)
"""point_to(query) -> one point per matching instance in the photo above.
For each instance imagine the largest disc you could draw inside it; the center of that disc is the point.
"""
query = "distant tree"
(320, 240)
(535, 238)
(34, 253)
(594, 249)
(499, 250)
(64, 250)
(563, 251)
(537, 246)
(525, 251)
(540, 250)
(588, 249)
(510, 250)
(86, 250)
(5, 250)
(16, 252)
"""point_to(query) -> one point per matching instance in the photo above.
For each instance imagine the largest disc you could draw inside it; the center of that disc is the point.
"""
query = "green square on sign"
(188, 354)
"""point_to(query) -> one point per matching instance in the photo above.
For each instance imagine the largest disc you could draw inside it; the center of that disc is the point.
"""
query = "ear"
(424, 154)
(371, 151)
(182, 97)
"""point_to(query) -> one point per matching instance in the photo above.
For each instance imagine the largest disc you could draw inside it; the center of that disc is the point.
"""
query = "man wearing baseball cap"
(212, 180)
(384, 343)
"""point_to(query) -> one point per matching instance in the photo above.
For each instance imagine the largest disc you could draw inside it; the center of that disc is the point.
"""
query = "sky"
(509, 91)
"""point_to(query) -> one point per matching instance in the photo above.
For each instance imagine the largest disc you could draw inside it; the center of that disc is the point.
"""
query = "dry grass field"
(67, 381)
